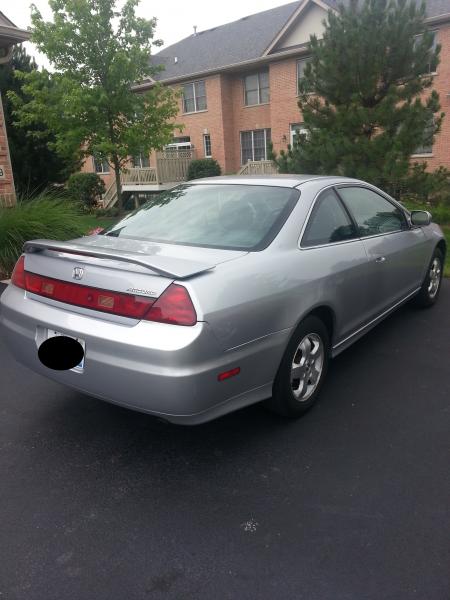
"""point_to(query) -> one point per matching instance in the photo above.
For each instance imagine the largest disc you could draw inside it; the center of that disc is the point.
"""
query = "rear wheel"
(302, 369)
(431, 286)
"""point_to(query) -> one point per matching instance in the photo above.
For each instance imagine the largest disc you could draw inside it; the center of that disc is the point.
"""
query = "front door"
(396, 253)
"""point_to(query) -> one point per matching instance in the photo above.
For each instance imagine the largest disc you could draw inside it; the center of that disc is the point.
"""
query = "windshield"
(237, 217)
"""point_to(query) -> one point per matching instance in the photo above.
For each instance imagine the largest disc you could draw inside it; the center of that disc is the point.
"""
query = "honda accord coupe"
(221, 293)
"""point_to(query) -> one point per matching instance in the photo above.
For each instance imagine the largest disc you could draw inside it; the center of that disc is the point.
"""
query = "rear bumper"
(161, 369)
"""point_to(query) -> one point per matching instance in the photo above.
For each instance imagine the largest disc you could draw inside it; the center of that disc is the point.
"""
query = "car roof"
(290, 181)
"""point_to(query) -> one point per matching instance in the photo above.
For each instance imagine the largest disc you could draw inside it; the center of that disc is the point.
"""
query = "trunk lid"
(122, 265)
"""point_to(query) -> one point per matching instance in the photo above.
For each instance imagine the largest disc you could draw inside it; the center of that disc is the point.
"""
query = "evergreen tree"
(362, 95)
(36, 165)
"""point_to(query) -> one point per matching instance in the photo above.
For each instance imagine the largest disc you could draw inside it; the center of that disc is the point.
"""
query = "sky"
(176, 18)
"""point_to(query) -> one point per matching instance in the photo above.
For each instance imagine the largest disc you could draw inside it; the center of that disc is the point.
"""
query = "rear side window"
(329, 222)
(373, 214)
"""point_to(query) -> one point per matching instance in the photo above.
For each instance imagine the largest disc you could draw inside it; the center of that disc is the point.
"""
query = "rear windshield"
(237, 217)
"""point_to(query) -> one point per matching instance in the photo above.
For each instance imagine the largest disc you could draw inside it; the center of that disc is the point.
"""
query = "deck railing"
(171, 167)
(138, 176)
(259, 167)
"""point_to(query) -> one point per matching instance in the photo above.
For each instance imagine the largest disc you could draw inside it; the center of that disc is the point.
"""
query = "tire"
(292, 396)
(429, 292)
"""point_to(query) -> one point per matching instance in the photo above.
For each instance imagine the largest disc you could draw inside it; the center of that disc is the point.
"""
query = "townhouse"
(239, 84)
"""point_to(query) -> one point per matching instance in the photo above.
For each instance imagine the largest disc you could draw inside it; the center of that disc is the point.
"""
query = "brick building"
(9, 35)
(239, 83)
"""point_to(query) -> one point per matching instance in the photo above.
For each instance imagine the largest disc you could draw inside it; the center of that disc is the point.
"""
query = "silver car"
(221, 293)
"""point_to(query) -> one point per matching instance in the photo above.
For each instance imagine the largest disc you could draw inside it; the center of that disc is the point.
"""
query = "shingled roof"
(241, 41)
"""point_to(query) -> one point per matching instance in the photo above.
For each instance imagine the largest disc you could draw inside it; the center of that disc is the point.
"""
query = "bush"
(440, 213)
(421, 186)
(45, 217)
(86, 189)
(108, 212)
(203, 167)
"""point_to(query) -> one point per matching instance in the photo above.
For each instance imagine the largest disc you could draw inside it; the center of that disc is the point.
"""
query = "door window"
(374, 215)
(329, 222)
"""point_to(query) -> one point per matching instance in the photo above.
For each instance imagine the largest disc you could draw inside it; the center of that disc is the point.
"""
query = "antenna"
(195, 30)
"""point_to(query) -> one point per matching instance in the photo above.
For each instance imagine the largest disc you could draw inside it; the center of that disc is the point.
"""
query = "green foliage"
(86, 189)
(45, 217)
(203, 167)
(98, 52)
(441, 212)
(368, 112)
(428, 186)
(36, 164)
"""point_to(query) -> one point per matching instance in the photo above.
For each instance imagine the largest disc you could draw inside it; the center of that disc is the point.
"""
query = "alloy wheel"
(434, 277)
(307, 366)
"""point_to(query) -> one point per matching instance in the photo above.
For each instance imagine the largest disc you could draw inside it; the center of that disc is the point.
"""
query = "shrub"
(203, 167)
(86, 189)
(45, 217)
(440, 213)
(107, 212)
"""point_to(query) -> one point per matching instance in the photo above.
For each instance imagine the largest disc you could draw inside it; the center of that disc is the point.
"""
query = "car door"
(335, 261)
(395, 251)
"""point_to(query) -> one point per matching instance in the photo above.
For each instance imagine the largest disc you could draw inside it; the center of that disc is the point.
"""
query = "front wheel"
(302, 369)
(431, 286)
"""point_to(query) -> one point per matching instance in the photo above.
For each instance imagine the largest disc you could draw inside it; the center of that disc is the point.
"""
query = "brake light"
(174, 306)
(125, 305)
(18, 274)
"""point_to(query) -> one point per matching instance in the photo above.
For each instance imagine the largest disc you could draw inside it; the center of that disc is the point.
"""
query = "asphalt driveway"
(350, 502)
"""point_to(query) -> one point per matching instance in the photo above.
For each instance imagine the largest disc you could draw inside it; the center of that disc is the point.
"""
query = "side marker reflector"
(228, 374)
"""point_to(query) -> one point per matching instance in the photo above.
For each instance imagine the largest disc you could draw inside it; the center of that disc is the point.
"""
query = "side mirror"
(420, 218)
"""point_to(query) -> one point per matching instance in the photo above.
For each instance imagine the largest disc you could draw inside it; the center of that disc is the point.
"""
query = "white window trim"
(259, 103)
(305, 59)
(102, 172)
(141, 156)
(207, 135)
(302, 131)
(191, 112)
(252, 131)
(430, 73)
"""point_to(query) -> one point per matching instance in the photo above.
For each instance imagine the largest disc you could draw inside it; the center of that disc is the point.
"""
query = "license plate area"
(53, 333)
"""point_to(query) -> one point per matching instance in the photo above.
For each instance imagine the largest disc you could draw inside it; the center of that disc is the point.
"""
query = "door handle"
(380, 259)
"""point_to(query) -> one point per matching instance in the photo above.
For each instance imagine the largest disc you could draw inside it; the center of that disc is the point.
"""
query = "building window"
(255, 145)
(301, 66)
(194, 97)
(141, 161)
(256, 88)
(101, 165)
(426, 147)
(297, 132)
(432, 66)
(207, 145)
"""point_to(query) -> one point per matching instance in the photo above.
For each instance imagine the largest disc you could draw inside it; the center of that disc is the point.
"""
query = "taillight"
(18, 274)
(125, 305)
(174, 306)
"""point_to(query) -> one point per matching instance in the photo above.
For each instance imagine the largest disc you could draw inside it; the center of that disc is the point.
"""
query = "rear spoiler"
(175, 268)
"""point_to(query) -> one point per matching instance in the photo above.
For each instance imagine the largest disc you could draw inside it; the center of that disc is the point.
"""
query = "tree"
(362, 95)
(98, 53)
(36, 165)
